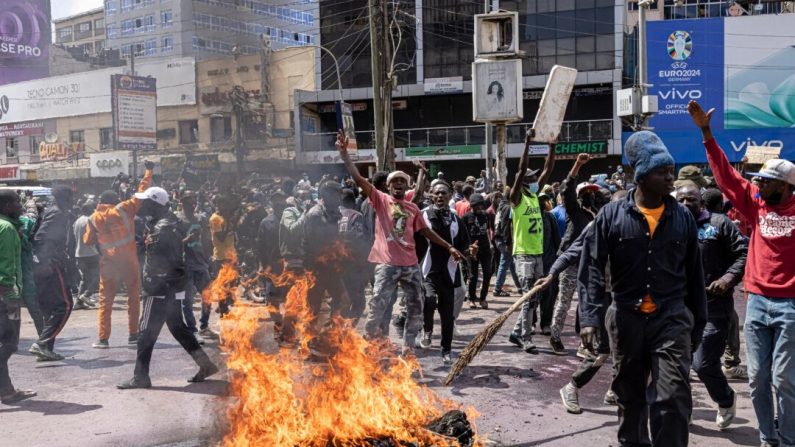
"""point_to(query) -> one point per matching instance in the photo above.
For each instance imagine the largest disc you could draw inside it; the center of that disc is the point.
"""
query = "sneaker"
(484, 304)
(80, 305)
(515, 339)
(501, 293)
(725, 416)
(473, 304)
(132, 339)
(570, 398)
(583, 352)
(43, 354)
(425, 343)
(546, 331)
(529, 347)
(447, 358)
(610, 398)
(198, 339)
(737, 372)
(135, 383)
(208, 334)
(17, 396)
(101, 344)
(456, 332)
(557, 346)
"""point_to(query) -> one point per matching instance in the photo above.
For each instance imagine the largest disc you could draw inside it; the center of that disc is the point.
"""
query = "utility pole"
(489, 148)
(134, 151)
(388, 85)
(642, 119)
(377, 68)
(265, 83)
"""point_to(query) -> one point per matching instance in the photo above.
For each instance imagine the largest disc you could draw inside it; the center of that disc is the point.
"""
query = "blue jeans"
(770, 344)
(506, 263)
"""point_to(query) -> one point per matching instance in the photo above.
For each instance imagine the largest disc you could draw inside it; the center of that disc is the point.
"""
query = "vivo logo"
(776, 144)
(680, 94)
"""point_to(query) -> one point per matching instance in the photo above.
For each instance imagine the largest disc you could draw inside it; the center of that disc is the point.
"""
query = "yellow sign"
(58, 151)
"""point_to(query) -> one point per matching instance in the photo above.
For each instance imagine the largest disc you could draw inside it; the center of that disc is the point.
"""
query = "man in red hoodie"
(769, 281)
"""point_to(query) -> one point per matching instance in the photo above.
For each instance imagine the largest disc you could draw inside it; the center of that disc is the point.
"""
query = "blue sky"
(63, 8)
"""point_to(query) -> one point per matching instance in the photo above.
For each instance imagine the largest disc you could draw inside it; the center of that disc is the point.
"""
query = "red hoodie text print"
(773, 225)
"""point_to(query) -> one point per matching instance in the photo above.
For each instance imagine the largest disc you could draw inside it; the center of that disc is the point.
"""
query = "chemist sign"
(134, 106)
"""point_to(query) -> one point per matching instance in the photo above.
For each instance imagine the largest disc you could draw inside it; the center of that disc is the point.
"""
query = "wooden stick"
(484, 337)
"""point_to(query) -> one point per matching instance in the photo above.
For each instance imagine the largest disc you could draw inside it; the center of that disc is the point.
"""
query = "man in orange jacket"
(112, 229)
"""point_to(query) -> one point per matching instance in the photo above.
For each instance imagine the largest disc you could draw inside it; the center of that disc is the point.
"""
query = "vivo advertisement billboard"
(744, 67)
(25, 37)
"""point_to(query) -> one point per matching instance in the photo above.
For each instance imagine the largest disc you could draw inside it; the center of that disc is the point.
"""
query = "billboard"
(134, 105)
(89, 93)
(24, 40)
(109, 164)
(497, 91)
(744, 67)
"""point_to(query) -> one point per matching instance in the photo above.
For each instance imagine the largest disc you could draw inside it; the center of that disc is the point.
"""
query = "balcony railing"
(591, 130)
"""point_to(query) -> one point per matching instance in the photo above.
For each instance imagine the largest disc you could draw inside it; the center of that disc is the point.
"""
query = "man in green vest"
(528, 238)
(10, 292)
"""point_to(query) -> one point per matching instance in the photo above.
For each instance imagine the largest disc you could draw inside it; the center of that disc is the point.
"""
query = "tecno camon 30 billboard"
(25, 37)
(744, 67)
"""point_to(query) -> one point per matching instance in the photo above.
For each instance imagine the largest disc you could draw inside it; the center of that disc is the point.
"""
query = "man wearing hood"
(112, 229)
(479, 227)
(659, 307)
(769, 281)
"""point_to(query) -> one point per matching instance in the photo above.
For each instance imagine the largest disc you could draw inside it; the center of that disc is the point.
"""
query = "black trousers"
(155, 312)
(89, 275)
(707, 358)
(55, 301)
(593, 363)
(732, 351)
(441, 297)
(484, 259)
(655, 346)
(9, 340)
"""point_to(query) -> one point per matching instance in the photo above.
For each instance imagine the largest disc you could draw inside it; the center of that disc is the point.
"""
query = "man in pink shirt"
(393, 252)
(769, 281)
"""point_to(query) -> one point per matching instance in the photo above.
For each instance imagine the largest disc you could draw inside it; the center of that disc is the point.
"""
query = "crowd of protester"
(652, 257)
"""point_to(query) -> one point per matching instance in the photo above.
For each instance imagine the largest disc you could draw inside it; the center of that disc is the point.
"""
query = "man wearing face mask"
(769, 281)
(164, 285)
(528, 238)
(579, 201)
(723, 253)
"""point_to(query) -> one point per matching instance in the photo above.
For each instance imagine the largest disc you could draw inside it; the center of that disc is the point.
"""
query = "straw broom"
(484, 337)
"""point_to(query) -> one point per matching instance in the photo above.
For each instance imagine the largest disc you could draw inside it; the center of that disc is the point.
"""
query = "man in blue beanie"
(659, 308)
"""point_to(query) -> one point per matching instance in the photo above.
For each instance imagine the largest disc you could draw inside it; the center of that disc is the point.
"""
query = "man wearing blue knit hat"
(659, 306)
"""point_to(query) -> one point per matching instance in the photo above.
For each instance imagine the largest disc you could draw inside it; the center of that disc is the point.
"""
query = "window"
(188, 132)
(138, 49)
(99, 26)
(65, 33)
(126, 50)
(150, 47)
(35, 141)
(127, 27)
(99, 46)
(12, 147)
(112, 31)
(76, 136)
(144, 24)
(166, 18)
(166, 44)
(126, 5)
(84, 27)
(220, 129)
(106, 138)
(110, 7)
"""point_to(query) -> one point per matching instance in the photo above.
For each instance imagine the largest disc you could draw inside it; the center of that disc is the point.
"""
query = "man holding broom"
(659, 306)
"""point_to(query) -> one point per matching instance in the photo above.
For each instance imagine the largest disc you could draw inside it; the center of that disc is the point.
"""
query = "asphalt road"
(516, 393)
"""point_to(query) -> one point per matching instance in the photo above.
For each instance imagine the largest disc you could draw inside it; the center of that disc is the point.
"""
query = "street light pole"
(336, 65)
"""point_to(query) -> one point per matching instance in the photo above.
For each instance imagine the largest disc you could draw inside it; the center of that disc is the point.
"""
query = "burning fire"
(360, 395)
(224, 285)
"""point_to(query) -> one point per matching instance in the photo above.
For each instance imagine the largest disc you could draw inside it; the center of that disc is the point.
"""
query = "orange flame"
(223, 286)
(361, 392)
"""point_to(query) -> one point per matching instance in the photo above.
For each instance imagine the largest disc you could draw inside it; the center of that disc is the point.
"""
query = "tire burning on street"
(360, 395)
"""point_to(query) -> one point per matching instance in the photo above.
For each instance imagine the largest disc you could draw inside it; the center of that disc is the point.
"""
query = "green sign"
(466, 151)
(574, 148)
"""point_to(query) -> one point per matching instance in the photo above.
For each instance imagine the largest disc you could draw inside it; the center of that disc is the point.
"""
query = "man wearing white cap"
(394, 251)
(164, 284)
(769, 281)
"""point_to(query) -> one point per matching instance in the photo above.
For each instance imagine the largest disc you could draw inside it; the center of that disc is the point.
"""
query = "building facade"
(85, 30)
(206, 28)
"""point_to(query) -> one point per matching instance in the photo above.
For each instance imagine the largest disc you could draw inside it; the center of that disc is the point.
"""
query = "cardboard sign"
(758, 155)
